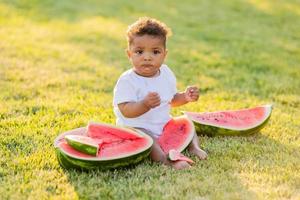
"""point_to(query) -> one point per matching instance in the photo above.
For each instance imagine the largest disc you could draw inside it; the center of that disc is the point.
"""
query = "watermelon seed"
(182, 127)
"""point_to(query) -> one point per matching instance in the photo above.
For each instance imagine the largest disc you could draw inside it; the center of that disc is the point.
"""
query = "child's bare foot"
(202, 155)
(180, 164)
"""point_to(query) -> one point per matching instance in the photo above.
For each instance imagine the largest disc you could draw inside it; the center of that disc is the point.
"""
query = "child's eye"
(139, 52)
(156, 52)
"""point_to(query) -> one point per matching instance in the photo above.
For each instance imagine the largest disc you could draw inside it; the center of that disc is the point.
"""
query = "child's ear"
(166, 52)
(128, 52)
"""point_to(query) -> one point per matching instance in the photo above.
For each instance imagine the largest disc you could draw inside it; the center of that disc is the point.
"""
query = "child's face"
(147, 54)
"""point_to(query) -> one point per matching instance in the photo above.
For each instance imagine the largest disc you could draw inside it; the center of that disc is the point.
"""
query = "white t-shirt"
(132, 87)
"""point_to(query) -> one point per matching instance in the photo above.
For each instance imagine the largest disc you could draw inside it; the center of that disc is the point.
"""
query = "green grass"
(59, 61)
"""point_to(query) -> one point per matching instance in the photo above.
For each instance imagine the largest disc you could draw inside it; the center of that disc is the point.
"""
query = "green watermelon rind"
(210, 130)
(90, 149)
(216, 131)
(68, 161)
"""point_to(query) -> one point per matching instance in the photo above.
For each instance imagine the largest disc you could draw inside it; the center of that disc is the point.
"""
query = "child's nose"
(147, 56)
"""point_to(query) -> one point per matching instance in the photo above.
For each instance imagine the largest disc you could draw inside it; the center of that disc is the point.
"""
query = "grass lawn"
(59, 61)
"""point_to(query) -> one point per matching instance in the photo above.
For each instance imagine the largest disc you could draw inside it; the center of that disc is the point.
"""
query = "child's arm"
(190, 94)
(135, 109)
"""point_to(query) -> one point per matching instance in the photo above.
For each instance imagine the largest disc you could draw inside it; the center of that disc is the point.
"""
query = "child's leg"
(194, 148)
(158, 155)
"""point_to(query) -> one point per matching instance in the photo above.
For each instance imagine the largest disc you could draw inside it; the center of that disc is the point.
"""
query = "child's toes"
(180, 165)
(202, 154)
(199, 153)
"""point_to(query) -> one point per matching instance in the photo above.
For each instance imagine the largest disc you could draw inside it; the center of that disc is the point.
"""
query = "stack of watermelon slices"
(101, 146)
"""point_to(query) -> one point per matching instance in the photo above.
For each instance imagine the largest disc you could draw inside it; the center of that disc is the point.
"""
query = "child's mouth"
(147, 65)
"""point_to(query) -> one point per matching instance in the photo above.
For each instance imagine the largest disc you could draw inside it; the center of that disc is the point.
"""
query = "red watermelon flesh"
(237, 119)
(122, 147)
(177, 134)
(109, 133)
(109, 150)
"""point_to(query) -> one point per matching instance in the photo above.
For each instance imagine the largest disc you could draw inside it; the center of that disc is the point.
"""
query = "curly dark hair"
(148, 26)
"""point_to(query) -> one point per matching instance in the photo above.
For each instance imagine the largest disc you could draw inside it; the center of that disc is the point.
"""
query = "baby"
(144, 94)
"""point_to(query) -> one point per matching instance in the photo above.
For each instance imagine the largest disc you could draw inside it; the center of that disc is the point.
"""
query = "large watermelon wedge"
(230, 123)
(177, 134)
(119, 147)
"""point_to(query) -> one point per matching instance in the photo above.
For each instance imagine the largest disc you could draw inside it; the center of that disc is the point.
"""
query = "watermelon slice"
(175, 155)
(84, 144)
(110, 133)
(230, 123)
(118, 147)
(177, 134)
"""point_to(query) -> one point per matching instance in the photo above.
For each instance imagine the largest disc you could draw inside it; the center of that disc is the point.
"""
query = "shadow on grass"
(215, 35)
(73, 11)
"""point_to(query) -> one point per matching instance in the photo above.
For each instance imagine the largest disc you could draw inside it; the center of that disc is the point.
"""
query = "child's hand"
(152, 100)
(191, 93)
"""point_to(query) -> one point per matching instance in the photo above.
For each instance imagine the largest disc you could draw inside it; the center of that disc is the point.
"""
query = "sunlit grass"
(273, 7)
(59, 61)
